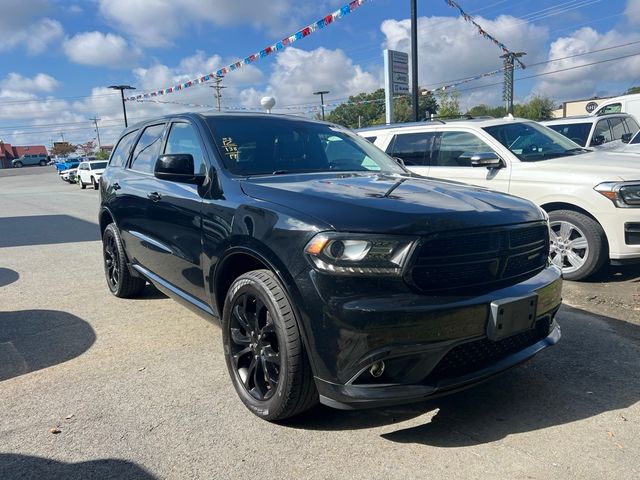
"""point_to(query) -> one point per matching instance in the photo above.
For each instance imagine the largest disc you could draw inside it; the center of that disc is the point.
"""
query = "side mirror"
(177, 167)
(626, 137)
(597, 140)
(487, 160)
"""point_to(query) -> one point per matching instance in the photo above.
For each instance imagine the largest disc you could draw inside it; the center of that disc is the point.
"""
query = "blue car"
(67, 164)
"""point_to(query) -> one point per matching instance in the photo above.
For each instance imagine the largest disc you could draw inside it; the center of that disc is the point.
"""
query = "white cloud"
(39, 83)
(633, 11)
(146, 20)
(298, 73)
(99, 49)
(22, 23)
(450, 48)
(590, 80)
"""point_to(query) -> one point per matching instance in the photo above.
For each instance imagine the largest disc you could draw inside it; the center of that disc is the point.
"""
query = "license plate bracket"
(509, 316)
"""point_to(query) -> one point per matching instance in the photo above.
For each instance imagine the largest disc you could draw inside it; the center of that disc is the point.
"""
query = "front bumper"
(430, 344)
(616, 224)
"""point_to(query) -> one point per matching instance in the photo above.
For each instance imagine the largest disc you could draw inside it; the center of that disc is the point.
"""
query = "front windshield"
(636, 139)
(531, 141)
(578, 132)
(272, 145)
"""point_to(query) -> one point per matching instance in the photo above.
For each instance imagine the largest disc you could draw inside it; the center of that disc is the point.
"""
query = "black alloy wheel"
(254, 346)
(263, 347)
(119, 279)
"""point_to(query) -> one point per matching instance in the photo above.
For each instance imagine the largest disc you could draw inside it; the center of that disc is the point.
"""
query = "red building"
(9, 152)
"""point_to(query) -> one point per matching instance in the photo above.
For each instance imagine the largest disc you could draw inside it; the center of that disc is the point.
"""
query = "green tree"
(367, 109)
(364, 109)
(62, 149)
(632, 90)
(449, 103)
(487, 111)
(102, 154)
(539, 108)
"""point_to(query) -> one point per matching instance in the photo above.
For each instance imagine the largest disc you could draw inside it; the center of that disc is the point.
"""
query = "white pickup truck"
(592, 198)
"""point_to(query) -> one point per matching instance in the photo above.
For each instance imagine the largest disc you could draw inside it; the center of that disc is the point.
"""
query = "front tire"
(263, 348)
(120, 281)
(17, 165)
(81, 183)
(96, 185)
(578, 244)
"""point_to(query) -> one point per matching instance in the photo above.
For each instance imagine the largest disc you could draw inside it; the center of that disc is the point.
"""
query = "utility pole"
(95, 121)
(507, 88)
(218, 87)
(322, 94)
(122, 88)
(62, 136)
(414, 60)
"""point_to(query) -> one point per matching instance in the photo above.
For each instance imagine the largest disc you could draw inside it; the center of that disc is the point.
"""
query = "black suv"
(337, 275)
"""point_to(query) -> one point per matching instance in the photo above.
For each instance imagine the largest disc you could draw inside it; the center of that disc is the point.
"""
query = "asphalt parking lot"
(138, 389)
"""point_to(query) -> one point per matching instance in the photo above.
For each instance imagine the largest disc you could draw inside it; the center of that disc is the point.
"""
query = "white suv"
(606, 132)
(89, 173)
(592, 198)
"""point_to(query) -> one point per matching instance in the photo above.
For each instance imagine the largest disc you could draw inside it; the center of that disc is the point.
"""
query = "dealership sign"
(396, 79)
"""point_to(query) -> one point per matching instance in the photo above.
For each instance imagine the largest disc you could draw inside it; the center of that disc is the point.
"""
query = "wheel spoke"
(250, 372)
(271, 355)
(259, 387)
(238, 338)
(259, 308)
(240, 354)
(557, 260)
(565, 230)
(239, 313)
(271, 382)
(269, 327)
(580, 243)
(574, 259)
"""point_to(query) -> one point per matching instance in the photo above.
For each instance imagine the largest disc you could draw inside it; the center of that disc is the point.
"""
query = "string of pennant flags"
(285, 42)
(468, 18)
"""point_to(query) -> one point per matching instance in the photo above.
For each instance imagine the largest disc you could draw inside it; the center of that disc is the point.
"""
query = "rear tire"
(578, 244)
(263, 348)
(42, 163)
(119, 280)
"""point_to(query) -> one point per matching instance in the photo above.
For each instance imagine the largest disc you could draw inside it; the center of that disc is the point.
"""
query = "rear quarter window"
(120, 154)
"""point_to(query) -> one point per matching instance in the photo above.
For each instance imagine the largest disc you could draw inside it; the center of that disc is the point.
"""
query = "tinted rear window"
(578, 132)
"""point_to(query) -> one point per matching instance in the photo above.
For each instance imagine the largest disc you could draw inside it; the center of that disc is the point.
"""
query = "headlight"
(359, 254)
(622, 194)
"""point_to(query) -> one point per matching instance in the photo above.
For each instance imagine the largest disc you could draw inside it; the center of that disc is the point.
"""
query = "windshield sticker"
(230, 148)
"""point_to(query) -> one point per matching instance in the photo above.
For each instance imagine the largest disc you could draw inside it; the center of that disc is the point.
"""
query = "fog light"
(377, 369)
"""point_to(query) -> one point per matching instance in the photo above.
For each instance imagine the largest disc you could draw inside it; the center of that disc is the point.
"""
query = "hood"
(599, 166)
(368, 202)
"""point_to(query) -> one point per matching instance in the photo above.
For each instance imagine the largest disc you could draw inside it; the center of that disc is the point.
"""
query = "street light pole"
(322, 94)
(414, 60)
(122, 88)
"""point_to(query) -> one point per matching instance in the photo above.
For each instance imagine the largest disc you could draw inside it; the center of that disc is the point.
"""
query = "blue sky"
(60, 55)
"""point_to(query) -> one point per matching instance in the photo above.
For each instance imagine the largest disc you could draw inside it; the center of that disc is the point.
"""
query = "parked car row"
(86, 173)
(604, 132)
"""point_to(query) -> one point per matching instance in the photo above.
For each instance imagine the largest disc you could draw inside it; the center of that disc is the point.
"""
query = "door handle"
(154, 196)
(116, 186)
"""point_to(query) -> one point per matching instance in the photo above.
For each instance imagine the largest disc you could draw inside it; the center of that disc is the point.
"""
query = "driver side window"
(457, 148)
(183, 139)
(602, 131)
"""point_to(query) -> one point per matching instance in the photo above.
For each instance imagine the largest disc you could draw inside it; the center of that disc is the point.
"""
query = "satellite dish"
(268, 103)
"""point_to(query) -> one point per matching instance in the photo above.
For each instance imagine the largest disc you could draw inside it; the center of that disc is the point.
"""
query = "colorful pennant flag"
(285, 42)
(481, 31)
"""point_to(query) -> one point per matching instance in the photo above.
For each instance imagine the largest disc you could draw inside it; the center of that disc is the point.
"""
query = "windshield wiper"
(574, 150)
(279, 172)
